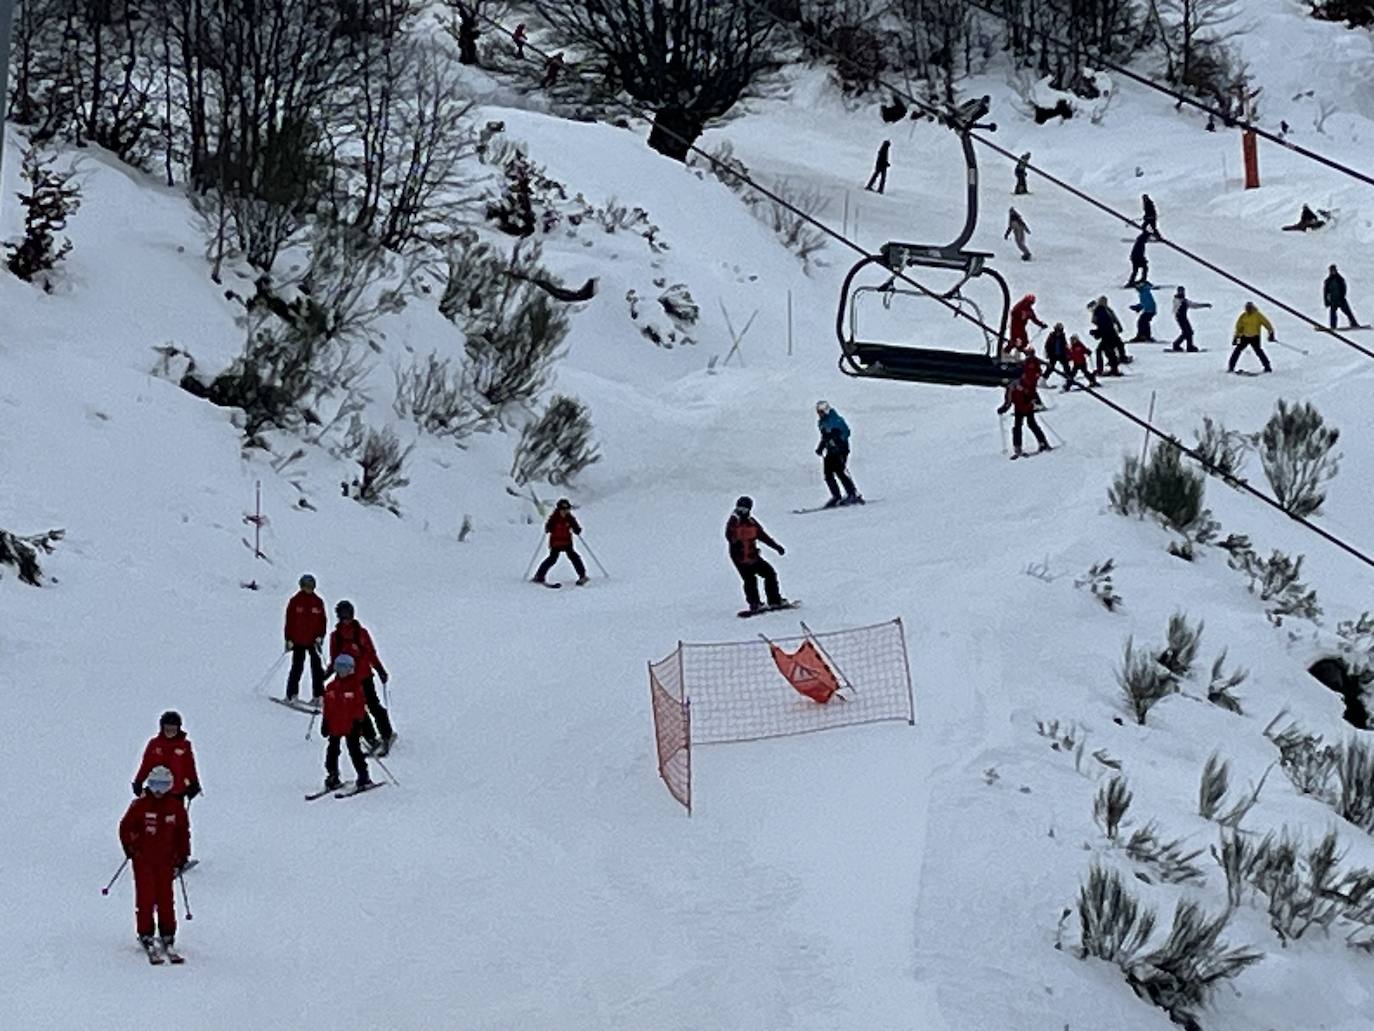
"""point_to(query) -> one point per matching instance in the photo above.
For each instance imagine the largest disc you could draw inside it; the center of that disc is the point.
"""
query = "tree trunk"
(674, 131)
(467, 39)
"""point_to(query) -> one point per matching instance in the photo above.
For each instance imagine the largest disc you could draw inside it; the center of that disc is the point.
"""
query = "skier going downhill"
(1016, 226)
(1023, 312)
(171, 750)
(154, 835)
(1021, 398)
(1182, 306)
(306, 625)
(880, 166)
(351, 638)
(345, 719)
(1247, 334)
(1140, 264)
(834, 448)
(1334, 297)
(561, 527)
(1149, 221)
(744, 535)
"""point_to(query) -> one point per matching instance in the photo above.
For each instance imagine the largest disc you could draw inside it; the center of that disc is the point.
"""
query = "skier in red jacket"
(306, 626)
(1023, 312)
(345, 717)
(745, 534)
(1021, 399)
(1079, 355)
(155, 836)
(171, 750)
(351, 638)
(562, 525)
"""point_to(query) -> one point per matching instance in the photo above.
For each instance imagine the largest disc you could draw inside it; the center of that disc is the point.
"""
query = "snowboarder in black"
(880, 167)
(1333, 296)
(1057, 352)
(1307, 220)
(744, 535)
(1107, 331)
(1021, 163)
(834, 447)
(1149, 222)
(1140, 265)
(1016, 226)
(1182, 305)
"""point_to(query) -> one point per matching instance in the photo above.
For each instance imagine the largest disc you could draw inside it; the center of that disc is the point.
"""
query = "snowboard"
(1196, 350)
(828, 508)
(295, 705)
(747, 613)
(1342, 329)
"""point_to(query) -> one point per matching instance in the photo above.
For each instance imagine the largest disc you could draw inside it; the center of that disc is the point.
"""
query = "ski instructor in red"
(154, 835)
(171, 750)
(745, 535)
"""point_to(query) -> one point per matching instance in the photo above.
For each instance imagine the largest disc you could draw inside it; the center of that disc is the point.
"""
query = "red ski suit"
(345, 704)
(1079, 354)
(560, 527)
(176, 754)
(155, 836)
(352, 637)
(1022, 313)
(1021, 398)
(305, 619)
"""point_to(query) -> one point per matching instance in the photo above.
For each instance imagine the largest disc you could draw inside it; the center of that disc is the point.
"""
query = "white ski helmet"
(159, 780)
(344, 665)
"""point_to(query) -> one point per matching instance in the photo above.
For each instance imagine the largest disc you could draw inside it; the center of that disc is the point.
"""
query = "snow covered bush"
(1355, 13)
(437, 397)
(1309, 763)
(1110, 804)
(1216, 780)
(1167, 861)
(1162, 486)
(22, 553)
(381, 466)
(674, 302)
(1355, 775)
(730, 170)
(513, 211)
(1295, 450)
(1276, 580)
(1304, 886)
(1221, 685)
(1144, 682)
(556, 446)
(512, 343)
(1222, 451)
(1180, 651)
(1098, 579)
(51, 198)
(796, 233)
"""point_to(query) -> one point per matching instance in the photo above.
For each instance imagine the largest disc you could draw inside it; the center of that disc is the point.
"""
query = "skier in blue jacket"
(834, 447)
(1147, 309)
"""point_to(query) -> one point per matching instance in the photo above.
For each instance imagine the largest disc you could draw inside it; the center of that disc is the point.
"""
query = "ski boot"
(1043, 448)
(332, 782)
(834, 502)
(854, 499)
(583, 581)
(364, 782)
(169, 949)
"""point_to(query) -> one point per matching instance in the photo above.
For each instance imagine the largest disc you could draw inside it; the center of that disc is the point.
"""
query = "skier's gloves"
(383, 675)
(820, 449)
(192, 790)
(138, 788)
(288, 646)
(782, 550)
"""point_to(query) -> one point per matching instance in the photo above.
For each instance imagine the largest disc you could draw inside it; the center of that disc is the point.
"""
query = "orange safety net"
(807, 672)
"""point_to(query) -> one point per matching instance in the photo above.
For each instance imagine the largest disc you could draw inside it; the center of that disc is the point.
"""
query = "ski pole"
(185, 899)
(529, 570)
(389, 775)
(257, 688)
(1056, 436)
(595, 559)
(311, 725)
(106, 890)
(1290, 347)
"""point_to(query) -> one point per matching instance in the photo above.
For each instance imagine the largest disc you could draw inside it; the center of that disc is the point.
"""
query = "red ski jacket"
(1079, 353)
(305, 618)
(1021, 399)
(154, 831)
(1022, 312)
(560, 528)
(745, 536)
(352, 637)
(1032, 370)
(176, 754)
(344, 704)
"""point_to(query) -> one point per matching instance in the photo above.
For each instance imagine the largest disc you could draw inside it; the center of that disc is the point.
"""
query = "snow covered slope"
(529, 871)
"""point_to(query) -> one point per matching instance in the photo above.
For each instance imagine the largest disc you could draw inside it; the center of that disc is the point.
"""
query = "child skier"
(561, 527)
(834, 447)
(306, 625)
(170, 749)
(1182, 306)
(1078, 355)
(351, 638)
(1247, 334)
(1016, 226)
(154, 835)
(1023, 312)
(1147, 308)
(880, 166)
(1057, 352)
(1140, 265)
(345, 717)
(745, 534)
(1021, 398)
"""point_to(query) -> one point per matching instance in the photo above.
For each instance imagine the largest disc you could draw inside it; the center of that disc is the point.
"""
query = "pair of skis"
(345, 790)
(158, 954)
(828, 508)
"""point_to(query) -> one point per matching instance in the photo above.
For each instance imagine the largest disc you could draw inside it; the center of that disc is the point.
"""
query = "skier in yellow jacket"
(1247, 334)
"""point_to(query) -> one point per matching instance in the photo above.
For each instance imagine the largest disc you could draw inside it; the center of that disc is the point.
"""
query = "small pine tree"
(1161, 485)
(50, 200)
(1296, 452)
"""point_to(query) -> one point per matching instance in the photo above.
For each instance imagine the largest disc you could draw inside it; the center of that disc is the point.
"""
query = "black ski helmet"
(344, 610)
(170, 718)
(745, 502)
(307, 582)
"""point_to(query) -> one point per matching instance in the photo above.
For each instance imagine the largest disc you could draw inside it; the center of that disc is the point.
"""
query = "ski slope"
(529, 870)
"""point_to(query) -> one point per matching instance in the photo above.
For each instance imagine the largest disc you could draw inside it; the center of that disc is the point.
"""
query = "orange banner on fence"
(807, 672)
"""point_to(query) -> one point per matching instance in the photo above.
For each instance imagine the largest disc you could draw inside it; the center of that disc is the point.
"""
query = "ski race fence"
(709, 694)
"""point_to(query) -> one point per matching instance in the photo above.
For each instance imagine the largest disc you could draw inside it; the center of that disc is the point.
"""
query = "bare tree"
(690, 61)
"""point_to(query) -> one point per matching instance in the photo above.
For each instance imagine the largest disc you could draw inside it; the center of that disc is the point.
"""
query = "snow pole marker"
(106, 890)
(185, 899)
(1145, 446)
(594, 558)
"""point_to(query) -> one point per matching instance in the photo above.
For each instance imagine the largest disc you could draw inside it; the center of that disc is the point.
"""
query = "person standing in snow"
(1022, 398)
(306, 625)
(1078, 355)
(1149, 222)
(170, 749)
(744, 534)
(1022, 313)
(1247, 334)
(1016, 226)
(352, 639)
(154, 834)
(880, 167)
(1107, 331)
(834, 448)
(1334, 297)
(520, 37)
(345, 719)
(1140, 264)
(552, 67)
(1147, 308)
(1182, 305)
(561, 527)
(1021, 164)
(1057, 352)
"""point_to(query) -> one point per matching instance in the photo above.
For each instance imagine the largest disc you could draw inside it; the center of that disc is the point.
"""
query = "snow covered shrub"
(1112, 924)
(1308, 762)
(1143, 681)
(1276, 581)
(797, 234)
(1355, 13)
(1302, 887)
(1110, 805)
(1168, 860)
(511, 345)
(1098, 579)
(513, 211)
(1222, 684)
(436, 396)
(51, 198)
(1355, 777)
(1216, 780)
(1163, 486)
(1180, 651)
(557, 446)
(676, 303)
(1295, 449)
(729, 169)
(381, 463)
(22, 553)
(1357, 643)
(1222, 451)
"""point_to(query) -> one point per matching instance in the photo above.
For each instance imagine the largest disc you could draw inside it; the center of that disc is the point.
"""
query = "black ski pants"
(750, 572)
(1142, 326)
(376, 711)
(1113, 350)
(836, 474)
(1087, 374)
(1020, 184)
(1140, 269)
(1061, 364)
(879, 176)
(355, 753)
(1028, 419)
(1239, 348)
(1185, 334)
(293, 680)
(573, 557)
(1341, 306)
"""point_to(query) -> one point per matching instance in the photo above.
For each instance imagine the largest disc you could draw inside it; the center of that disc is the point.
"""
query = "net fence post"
(906, 663)
(687, 738)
